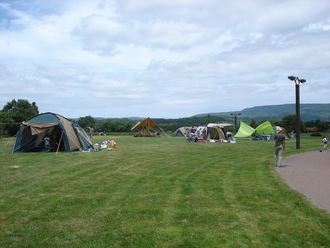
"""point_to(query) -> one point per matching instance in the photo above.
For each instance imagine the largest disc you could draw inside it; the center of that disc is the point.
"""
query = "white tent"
(212, 131)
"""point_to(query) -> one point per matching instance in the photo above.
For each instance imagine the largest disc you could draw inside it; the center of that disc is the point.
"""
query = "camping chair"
(191, 137)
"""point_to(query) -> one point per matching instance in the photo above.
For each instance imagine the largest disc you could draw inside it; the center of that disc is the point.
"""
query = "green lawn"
(156, 192)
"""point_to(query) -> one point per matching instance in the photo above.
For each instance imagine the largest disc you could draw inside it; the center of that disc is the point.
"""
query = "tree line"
(17, 111)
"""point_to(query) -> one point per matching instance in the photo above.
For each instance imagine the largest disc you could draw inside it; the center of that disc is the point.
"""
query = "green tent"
(64, 135)
(244, 131)
(266, 128)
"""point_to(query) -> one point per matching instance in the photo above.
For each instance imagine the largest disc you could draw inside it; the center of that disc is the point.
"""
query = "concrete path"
(309, 173)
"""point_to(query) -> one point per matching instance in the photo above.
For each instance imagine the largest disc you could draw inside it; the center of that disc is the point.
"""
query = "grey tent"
(184, 131)
(216, 133)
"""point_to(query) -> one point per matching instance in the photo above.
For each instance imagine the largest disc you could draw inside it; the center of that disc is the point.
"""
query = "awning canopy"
(148, 123)
(244, 131)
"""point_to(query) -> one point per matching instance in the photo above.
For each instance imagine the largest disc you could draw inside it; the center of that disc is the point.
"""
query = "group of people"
(280, 146)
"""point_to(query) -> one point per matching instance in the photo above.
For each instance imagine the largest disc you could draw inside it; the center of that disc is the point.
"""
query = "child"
(325, 144)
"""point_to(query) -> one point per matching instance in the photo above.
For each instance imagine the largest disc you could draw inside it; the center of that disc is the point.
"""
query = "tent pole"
(59, 143)
(12, 150)
(164, 132)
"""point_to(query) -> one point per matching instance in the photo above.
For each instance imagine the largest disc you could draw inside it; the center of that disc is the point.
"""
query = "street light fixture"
(297, 82)
(235, 115)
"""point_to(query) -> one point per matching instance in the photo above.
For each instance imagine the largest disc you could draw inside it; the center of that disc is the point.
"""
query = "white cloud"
(162, 58)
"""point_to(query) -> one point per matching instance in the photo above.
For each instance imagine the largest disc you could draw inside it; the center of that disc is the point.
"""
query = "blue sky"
(162, 58)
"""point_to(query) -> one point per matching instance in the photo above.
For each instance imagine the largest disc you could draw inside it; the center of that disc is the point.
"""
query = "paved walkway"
(309, 173)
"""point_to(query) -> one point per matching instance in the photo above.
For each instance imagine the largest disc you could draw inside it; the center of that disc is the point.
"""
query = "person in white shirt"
(325, 144)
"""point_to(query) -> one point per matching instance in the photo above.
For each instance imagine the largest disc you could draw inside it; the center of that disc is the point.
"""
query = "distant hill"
(272, 113)
(308, 112)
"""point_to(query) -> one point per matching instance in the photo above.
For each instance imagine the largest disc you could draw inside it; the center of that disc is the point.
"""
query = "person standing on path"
(325, 144)
(279, 147)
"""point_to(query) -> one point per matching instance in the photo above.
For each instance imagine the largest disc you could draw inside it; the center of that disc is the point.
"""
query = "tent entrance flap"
(39, 128)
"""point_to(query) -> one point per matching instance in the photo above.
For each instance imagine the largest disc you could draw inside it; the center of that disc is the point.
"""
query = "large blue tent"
(63, 134)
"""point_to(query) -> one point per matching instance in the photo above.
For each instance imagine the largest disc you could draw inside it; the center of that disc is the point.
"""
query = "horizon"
(141, 58)
(228, 112)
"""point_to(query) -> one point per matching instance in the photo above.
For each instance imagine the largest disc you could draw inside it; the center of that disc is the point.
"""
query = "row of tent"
(217, 131)
(264, 128)
(210, 131)
(65, 135)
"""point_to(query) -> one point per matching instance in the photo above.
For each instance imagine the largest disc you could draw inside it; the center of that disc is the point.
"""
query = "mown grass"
(156, 192)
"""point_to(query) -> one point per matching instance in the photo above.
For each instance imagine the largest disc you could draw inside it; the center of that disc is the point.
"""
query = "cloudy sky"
(162, 58)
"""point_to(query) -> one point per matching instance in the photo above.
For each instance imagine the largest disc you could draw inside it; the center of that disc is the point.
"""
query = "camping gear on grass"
(112, 144)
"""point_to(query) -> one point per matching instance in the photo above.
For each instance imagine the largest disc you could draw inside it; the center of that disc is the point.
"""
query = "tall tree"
(21, 110)
(87, 121)
(322, 126)
(208, 120)
(289, 123)
(4, 123)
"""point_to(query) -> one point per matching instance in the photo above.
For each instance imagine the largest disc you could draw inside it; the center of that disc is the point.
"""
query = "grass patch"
(156, 192)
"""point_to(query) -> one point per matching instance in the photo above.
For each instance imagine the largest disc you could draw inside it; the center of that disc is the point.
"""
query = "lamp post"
(235, 115)
(297, 82)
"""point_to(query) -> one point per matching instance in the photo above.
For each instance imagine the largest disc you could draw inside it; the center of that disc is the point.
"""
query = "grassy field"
(156, 192)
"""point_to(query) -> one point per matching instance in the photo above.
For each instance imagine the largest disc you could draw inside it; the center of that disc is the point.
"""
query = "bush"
(316, 134)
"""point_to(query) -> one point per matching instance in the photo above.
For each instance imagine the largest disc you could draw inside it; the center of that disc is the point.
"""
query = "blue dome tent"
(64, 135)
